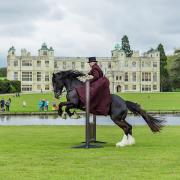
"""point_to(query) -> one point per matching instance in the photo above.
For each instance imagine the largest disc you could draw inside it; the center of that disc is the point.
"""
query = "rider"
(99, 90)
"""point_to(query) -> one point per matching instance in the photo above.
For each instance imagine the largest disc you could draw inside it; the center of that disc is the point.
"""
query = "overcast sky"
(87, 27)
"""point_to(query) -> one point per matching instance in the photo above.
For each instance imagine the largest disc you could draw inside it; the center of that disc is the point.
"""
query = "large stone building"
(126, 74)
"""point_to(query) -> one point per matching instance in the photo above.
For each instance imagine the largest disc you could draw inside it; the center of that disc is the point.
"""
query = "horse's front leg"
(67, 104)
(68, 107)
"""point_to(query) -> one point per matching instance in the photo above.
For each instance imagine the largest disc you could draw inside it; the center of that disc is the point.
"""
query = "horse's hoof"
(64, 115)
(131, 140)
(75, 116)
(121, 144)
(124, 142)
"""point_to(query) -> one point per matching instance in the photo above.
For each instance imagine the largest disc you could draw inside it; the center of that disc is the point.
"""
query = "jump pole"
(87, 143)
(93, 131)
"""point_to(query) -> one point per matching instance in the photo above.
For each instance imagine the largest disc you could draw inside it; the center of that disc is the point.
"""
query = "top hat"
(92, 59)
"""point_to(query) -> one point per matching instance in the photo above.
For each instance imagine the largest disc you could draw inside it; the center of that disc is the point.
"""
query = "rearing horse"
(118, 108)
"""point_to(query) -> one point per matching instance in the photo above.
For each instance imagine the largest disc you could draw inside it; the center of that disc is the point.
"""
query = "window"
(154, 87)
(134, 76)
(38, 63)
(44, 53)
(134, 87)
(46, 76)
(126, 77)
(26, 63)
(146, 76)
(109, 65)
(64, 65)
(47, 87)
(126, 87)
(38, 87)
(147, 64)
(143, 64)
(15, 63)
(26, 88)
(55, 64)
(126, 64)
(146, 87)
(26, 76)
(38, 76)
(73, 65)
(15, 76)
(134, 64)
(154, 64)
(120, 78)
(82, 65)
(116, 77)
(155, 76)
(47, 63)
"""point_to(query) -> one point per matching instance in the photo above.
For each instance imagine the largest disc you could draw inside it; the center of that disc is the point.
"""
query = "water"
(19, 120)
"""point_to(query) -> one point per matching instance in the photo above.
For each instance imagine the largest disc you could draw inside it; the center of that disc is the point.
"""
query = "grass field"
(44, 152)
(149, 101)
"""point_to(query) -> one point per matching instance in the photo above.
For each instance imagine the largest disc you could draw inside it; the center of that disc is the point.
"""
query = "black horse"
(118, 110)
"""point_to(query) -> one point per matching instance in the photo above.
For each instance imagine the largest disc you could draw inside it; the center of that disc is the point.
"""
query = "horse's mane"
(70, 74)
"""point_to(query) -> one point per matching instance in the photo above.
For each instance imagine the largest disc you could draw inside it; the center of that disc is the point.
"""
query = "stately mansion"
(126, 74)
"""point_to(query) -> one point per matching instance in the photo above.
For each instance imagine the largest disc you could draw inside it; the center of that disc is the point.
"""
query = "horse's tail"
(154, 123)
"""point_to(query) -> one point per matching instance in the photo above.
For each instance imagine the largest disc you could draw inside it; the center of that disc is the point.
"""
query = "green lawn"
(149, 101)
(44, 152)
(31, 101)
(155, 101)
(2, 78)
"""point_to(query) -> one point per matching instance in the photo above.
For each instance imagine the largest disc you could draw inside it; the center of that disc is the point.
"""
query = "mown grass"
(149, 101)
(44, 152)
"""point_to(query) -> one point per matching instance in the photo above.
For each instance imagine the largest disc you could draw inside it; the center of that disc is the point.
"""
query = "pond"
(21, 120)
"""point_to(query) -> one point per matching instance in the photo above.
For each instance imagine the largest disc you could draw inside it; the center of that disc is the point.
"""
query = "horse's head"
(58, 84)
(65, 79)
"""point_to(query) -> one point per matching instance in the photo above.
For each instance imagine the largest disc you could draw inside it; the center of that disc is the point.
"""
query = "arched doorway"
(118, 88)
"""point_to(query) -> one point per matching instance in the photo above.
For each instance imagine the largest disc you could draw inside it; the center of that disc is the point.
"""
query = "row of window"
(143, 88)
(28, 87)
(146, 76)
(29, 63)
(144, 64)
(27, 76)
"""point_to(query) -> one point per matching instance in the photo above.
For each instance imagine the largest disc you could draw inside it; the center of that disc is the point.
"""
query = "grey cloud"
(91, 26)
(17, 30)
(20, 10)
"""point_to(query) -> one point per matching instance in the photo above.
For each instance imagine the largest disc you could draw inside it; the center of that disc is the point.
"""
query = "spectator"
(9, 100)
(54, 106)
(40, 103)
(43, 104)
(7, 104)
(2, 102)
(46, 103)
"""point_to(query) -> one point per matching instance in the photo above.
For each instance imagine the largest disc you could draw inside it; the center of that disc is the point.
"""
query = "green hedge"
(7, 86)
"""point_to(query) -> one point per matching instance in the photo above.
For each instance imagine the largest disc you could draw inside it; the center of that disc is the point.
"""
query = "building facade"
(126, 74)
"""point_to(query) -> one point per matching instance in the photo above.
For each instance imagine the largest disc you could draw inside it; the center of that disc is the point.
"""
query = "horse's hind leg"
(127, 128)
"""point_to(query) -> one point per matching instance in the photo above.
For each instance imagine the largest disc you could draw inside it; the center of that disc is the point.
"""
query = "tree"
(175, 75)
(126, 46)
(165, 84)
(3, 72)
(7, 86)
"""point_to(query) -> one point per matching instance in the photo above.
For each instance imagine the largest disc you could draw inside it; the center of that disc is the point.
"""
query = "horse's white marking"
(126, 140)
(123, 142)
(131, 140)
